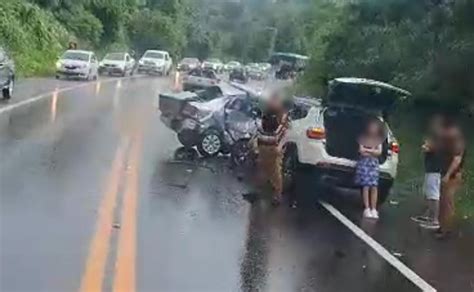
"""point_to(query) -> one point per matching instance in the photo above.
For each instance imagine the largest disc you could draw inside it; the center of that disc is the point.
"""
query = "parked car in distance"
(255, 71)
(199, 79)
(188, 64)
(211, 119)
(77, 64)
(117, 63)
(155, 62)
(323, 138)
(232, 65)
(213, 64)
(7, 74)
(238, 75)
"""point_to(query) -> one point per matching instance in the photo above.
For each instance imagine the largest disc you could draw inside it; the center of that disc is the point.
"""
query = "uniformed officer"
(274, 124)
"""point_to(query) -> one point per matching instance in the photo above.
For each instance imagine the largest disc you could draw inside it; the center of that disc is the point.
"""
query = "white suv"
(154, 61)
(324, 137)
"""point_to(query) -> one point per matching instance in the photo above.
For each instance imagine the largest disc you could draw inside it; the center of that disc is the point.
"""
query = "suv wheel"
(210, 143)
(8, 92)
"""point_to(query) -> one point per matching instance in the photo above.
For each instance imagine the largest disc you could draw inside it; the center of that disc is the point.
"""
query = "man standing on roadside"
(432, 179)
(452, 160)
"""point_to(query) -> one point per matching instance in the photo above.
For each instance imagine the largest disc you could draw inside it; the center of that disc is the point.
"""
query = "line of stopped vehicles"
(85, 65)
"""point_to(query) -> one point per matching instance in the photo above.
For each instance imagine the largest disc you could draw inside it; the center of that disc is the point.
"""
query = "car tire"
(7, 93)
(185, 154)
(210, 143)
(186, 139)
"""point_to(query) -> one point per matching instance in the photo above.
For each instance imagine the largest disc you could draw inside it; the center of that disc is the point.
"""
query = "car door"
(7, 64)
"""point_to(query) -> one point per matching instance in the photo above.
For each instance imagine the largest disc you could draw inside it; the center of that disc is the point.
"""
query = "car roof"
(156, 51)
(370, 82)
(80, 51)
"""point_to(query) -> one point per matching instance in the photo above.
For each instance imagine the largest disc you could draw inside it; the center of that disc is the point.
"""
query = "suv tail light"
(317, 133)
(395, 147)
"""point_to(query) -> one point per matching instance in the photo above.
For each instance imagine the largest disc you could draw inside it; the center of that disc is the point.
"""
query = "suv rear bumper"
(333, 175)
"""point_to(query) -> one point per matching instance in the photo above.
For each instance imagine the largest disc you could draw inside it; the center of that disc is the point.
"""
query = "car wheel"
(8, 92)
(210, 143)
(185, 154)
(187, 138)
(289, 167)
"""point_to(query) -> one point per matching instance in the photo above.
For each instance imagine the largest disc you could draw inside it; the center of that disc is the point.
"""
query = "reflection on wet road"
(91, 201)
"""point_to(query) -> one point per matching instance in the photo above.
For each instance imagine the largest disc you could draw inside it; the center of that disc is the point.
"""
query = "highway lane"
(91, 200)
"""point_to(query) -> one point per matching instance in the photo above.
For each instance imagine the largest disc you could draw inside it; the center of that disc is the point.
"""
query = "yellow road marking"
(94, 270)
(124, 278)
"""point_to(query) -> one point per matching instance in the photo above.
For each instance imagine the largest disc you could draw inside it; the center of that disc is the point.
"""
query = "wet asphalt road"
(90, 200)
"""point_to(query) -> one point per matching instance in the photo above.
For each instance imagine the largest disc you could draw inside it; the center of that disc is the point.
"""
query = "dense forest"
(426, 46)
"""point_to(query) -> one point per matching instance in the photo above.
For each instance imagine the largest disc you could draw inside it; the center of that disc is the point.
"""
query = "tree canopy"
(426, 46)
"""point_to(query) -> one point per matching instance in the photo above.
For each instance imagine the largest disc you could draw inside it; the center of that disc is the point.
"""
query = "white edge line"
(59, 90)
(378, 248)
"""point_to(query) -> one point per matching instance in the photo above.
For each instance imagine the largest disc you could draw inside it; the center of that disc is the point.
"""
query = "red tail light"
(395, 147)
(317, 133)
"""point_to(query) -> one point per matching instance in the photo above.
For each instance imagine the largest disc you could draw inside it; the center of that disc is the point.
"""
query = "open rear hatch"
(351, 103)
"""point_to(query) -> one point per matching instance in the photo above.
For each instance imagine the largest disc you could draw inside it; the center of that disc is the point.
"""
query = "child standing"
(367, 167)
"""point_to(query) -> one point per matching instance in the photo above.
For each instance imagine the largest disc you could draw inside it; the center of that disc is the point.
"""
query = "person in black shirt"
(432, 180)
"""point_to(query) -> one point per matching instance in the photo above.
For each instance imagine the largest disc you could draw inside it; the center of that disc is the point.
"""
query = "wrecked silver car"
(210, 120)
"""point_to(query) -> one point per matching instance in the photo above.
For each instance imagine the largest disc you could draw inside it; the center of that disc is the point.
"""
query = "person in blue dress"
(367, 166)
